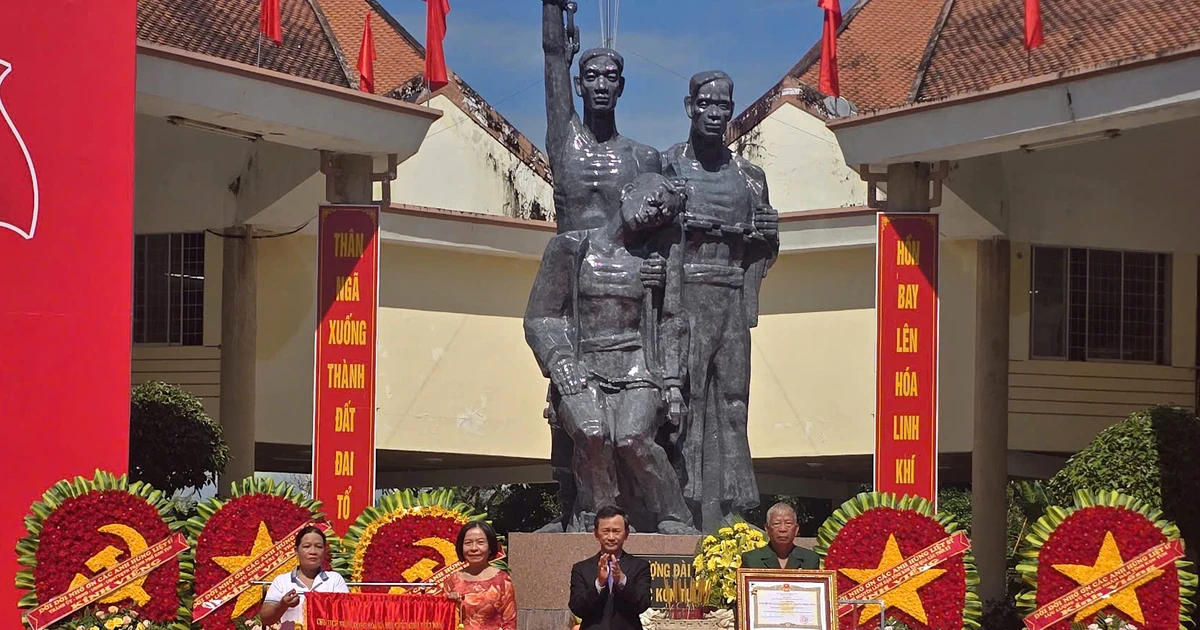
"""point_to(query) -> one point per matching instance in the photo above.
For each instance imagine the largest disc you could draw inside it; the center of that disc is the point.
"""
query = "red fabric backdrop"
(65, 291)
(333, 611)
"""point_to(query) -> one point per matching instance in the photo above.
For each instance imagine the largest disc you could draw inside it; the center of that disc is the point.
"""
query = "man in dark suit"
(610, 590)
(781, 552)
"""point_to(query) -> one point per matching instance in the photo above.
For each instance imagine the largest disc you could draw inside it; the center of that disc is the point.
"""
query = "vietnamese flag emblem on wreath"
(898, 550)
(1108, 555)
(407, 537)
(248, 538)
(102, 542)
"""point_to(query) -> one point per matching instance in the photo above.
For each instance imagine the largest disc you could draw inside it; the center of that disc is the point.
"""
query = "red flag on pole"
(1033, 24)
(269, 23)
(366, 59)
(829, 33)
(435, 32)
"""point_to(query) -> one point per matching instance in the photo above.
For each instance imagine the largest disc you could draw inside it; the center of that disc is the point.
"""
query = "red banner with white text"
(66, 243)
(379, 611)
(906, 354)
(344, 403)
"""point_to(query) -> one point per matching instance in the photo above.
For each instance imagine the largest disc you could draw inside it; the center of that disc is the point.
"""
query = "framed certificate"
(787, 599)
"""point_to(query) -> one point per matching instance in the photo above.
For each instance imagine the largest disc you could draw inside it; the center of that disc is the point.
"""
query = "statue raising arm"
(560, 43)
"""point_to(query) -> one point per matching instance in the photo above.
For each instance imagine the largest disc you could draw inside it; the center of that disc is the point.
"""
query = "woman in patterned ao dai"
(486, 593)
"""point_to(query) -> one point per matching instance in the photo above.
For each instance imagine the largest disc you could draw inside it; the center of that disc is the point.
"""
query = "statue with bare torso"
(641, 311)
(592, 165)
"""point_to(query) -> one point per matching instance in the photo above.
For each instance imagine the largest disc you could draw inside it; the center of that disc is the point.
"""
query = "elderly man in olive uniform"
(781, 552)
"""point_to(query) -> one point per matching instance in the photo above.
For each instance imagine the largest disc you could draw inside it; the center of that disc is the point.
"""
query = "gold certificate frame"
(786, 599)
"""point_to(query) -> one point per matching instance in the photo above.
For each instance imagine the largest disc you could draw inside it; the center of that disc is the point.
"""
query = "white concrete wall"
(182, 177)
(1134, 192)
(463, 167)
(804, 165)
(456, 376)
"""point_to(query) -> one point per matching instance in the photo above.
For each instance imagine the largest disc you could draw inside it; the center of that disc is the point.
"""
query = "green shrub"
(1151, 455)
(173, 444)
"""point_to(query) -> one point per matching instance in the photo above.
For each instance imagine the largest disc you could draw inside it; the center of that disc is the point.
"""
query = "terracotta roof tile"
(399, 56)
(321, 42)
(879, 51)
(400, 66)
(982, 45)
(228, 29)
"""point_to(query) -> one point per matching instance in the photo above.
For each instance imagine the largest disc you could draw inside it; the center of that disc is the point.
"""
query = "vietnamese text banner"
(906, 354)
(344, 404)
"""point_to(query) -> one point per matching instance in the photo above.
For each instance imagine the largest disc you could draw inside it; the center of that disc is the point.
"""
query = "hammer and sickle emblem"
(107, 559)
(424, 568)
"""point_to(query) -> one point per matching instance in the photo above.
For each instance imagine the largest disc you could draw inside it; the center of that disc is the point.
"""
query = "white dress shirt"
(325, 582)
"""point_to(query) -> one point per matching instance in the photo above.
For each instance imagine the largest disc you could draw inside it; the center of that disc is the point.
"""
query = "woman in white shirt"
(284, 603)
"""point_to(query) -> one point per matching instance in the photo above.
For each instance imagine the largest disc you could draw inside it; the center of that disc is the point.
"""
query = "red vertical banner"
(906, 354)
(66, 251)
(344, 402)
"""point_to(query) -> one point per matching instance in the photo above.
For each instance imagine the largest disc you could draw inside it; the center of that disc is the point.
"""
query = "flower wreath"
(407, 537)
(1102, 531)
(226, 535)
(82, 528)
(875, 531)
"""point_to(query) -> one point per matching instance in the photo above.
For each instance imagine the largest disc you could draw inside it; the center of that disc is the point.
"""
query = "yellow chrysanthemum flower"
(725, 531)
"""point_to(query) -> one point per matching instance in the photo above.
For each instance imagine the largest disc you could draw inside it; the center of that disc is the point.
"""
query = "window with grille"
(168, 289)
(1099, 305)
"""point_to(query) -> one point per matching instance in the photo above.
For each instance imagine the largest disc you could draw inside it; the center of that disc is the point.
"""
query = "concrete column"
(908, 187)
(989, 460)
(349, 178)
(239, 332)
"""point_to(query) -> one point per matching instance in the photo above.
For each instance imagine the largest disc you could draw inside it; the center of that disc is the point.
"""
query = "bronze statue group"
(641, 311)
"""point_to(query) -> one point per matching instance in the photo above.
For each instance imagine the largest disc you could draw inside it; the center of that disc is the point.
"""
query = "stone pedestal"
(541, 570)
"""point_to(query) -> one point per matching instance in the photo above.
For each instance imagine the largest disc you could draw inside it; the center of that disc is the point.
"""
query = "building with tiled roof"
(506, 174)
(1068, 263)
(1062, 178)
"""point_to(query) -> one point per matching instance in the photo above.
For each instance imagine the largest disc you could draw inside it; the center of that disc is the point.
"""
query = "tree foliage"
(173, 444)
(1150, 456)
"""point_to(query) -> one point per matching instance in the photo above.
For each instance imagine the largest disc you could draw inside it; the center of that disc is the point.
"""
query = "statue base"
(541, 570)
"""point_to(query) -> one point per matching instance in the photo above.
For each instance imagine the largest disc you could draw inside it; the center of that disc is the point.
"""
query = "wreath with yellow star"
(407, 537)
(875, 532)
(1070, 547)
(227, 534)
(84, 527)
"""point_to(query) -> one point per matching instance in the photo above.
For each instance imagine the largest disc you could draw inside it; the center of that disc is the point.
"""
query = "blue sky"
(495, 45)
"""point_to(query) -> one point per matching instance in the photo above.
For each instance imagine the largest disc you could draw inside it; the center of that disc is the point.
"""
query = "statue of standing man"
(593, 167)
(719, 254)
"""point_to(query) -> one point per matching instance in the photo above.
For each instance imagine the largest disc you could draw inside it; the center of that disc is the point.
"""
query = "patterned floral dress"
(487, 604)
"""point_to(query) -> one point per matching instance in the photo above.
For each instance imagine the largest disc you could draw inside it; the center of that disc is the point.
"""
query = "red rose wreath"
(82, 528)
(1070, 547)
(229, 534)
(407, 537)
(874, 532)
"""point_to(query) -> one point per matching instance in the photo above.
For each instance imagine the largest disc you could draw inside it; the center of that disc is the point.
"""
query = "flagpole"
(258, 55)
